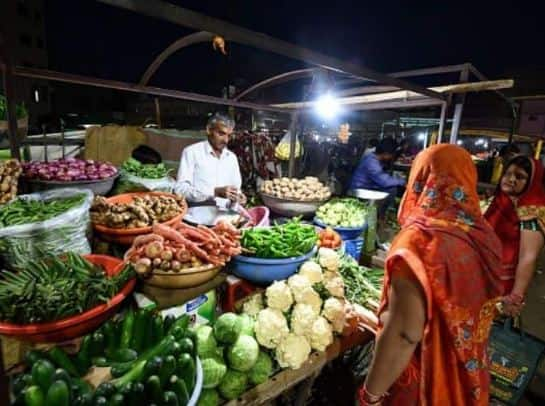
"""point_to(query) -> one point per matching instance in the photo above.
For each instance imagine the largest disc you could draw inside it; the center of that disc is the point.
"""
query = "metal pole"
(293, 132)
(136, 88)
(6, 50)
(459, 108)
(158, 113)
(442, 121)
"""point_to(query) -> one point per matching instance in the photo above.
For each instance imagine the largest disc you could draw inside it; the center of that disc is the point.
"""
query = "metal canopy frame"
(207, 28)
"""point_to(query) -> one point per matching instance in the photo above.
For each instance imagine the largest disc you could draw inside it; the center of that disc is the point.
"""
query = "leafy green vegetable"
(20, 109)
(362, 285)
(261, 370)
(242, 355)
(343, 212)
(206, 343)
(246, 325)
(291, 239)
(213, 372)
(233, 384)
(227, 328)
(53, 289)
(148, 171)
(209, 397)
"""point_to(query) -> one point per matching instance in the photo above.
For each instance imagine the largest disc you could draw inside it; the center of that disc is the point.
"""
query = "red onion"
(69, 169)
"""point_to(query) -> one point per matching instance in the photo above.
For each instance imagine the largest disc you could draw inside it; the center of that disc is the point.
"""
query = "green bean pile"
(291, 239)
(53, 289)
(25, 211)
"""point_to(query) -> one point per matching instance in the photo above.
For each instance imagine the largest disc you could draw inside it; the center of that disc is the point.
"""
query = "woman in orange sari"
(440, 290)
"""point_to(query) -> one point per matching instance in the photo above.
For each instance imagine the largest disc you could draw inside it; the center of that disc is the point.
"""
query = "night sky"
(500, 38)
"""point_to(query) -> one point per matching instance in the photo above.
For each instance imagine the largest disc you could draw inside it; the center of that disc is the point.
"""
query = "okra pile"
(152, 360)
(55, 288)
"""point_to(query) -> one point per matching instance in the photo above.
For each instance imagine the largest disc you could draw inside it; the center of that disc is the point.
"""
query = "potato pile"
(305, 190)
(10, 171)
(142, 212)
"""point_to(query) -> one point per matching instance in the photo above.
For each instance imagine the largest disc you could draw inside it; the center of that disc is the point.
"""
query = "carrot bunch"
(183, 246)
(329, 238)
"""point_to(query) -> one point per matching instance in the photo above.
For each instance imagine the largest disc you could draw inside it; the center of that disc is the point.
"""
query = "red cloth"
(454, 255)
(504, 215)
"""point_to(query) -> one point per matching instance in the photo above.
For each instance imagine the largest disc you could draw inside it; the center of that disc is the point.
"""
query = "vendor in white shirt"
(208, 170)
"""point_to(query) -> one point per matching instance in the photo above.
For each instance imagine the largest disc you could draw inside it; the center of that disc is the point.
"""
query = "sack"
(112, 143)
(128, 183)
(68, 231)
(514, 356)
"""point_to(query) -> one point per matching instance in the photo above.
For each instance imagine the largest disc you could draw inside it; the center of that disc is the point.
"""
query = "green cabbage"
(243, 354)
(233, 384)
(213, 372)
(246, 325)
(261, 370)
(206, 343)
(227, 328)
(209, 397)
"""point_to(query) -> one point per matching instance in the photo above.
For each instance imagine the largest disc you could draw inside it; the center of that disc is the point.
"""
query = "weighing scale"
(371, 196)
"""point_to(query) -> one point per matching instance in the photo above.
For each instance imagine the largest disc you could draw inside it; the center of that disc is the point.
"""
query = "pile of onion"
(69, 169)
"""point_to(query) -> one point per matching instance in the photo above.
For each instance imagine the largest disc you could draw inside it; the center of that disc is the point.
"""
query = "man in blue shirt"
(370, 174)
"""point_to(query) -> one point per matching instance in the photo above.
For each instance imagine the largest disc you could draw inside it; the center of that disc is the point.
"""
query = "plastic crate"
(354, 247)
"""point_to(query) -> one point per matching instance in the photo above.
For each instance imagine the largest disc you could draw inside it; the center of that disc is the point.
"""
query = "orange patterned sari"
(455, 256)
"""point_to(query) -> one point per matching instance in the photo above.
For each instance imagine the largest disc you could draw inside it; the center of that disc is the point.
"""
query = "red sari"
(505, 215)
(453, 254)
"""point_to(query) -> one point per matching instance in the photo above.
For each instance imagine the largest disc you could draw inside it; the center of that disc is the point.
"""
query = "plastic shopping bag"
(514, 356)
(128, 183)
(66, 232)
(282, 150)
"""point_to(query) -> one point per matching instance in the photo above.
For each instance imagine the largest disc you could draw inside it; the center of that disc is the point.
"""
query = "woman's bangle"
(368, 398)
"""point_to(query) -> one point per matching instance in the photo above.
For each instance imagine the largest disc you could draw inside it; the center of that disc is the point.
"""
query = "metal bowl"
(186, 278)
(98, 187)
(290, 208)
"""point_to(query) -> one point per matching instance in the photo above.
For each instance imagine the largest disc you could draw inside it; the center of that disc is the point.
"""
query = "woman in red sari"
(440, 290)
(517, 214)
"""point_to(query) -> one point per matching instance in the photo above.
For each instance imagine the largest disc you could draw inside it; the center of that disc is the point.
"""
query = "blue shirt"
(370, 175)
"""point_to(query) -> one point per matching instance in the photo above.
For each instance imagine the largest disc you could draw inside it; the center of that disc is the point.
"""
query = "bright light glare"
(421, 137)
(480, 141)
(327, 106)
(459, 142)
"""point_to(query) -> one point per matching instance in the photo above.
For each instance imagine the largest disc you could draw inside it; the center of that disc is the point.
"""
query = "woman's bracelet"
(369, 398)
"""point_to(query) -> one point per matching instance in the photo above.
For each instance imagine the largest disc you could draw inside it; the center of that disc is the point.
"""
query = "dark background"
(501, 38)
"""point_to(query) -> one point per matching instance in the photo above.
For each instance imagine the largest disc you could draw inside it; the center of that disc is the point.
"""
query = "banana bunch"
(282, 150)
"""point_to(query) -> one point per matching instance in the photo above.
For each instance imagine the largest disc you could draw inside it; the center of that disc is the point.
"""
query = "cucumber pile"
(152, 361)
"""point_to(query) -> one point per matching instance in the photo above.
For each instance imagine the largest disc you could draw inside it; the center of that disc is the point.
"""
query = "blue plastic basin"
(346, 233)
(265, 271)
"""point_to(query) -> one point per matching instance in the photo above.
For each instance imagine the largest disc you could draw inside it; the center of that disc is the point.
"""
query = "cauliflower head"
(320, 334)
(312, 271)
(310, 297)
(292, 351)
(253, 305)
(334, 284)
(334, 311)
(302, 317)
(329, 259)
(297, 284)
(279, 296)
(270, 327)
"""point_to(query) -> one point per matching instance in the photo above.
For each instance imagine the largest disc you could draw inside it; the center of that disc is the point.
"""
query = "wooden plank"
(409, 95)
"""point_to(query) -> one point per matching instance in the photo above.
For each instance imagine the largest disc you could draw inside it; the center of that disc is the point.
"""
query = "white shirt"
(201, 171)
